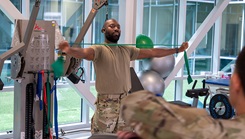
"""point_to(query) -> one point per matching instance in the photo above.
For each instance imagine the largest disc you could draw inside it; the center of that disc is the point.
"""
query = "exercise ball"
(162, 65)
(143, 41)
(152, 82)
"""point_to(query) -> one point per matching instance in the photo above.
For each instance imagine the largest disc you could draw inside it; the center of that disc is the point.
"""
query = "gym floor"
(84, 134)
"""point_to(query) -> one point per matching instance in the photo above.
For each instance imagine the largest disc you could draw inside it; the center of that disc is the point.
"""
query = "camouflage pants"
(107, 118)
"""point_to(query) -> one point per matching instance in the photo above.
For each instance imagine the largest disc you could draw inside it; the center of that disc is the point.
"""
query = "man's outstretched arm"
(85, 53)
(161, 52)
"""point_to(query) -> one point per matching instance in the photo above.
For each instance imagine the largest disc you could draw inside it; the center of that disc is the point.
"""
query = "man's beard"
(112, 38)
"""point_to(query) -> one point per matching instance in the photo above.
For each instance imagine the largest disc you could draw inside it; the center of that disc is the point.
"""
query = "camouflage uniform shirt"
(154, 118)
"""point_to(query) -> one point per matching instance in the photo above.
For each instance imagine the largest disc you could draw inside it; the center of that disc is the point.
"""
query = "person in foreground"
(154, 118)
(112, 68)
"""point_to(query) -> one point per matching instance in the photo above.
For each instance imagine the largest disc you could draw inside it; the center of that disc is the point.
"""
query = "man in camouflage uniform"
(154, 118)
(112, 68)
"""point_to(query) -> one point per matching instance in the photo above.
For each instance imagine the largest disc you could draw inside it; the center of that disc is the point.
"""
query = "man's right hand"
(64, 46)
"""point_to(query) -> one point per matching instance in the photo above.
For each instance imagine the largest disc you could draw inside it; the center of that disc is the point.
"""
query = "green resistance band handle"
(189, 78)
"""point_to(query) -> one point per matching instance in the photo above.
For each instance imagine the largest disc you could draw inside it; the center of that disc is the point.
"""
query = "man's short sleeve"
(134, 53)
(97, 49)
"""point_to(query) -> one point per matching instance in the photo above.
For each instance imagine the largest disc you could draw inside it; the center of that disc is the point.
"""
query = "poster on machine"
(41, 49)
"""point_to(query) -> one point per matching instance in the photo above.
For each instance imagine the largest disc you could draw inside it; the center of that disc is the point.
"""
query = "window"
(7, 98)
(232, 39)
(160, 21)
(7, 110)
(200, 59)
(6, 33)
(69, 105)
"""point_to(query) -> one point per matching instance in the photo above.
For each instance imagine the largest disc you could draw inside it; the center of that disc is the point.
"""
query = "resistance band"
(189, 78)
(47, 102)
(48, 87)
(29, 121)
(113, 44)
(45, 123)
(45, 110)
(54, 89)
(44, 91)
(39, 90)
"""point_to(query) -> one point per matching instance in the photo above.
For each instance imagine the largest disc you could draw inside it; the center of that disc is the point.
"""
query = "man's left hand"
(183, 47)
